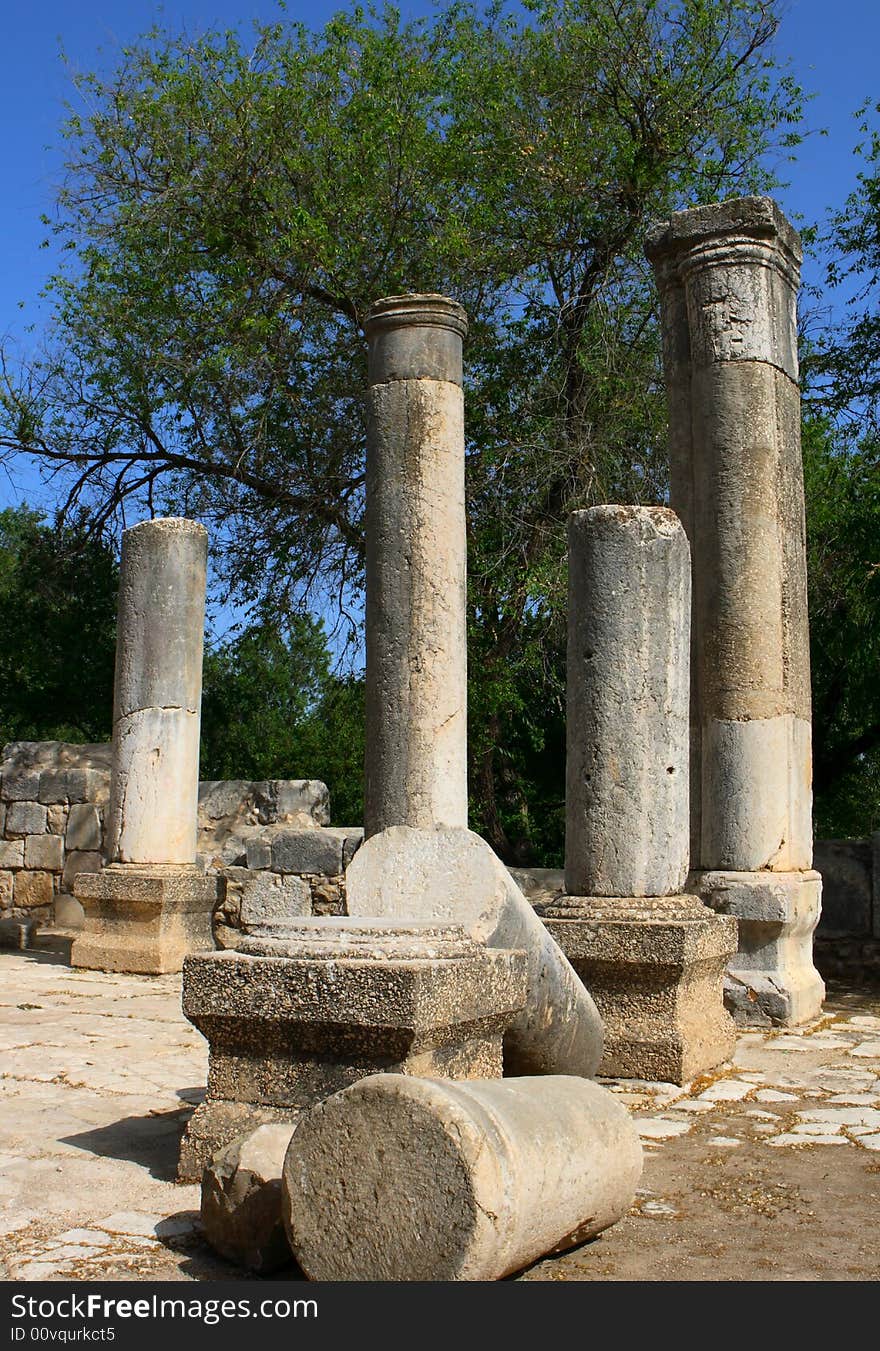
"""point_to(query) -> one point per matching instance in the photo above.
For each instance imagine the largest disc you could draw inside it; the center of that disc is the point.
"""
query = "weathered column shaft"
(728, 276)
(473, 1180)
(416, 649)
(652, 958)
(157, 696)
(736, 477)
(626, 795)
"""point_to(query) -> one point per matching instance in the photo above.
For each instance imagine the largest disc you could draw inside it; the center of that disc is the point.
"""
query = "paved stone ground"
(769, 1170)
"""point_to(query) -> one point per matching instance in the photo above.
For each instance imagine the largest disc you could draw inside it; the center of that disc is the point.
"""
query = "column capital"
(736, 266)
(731, 231)
(415, 337)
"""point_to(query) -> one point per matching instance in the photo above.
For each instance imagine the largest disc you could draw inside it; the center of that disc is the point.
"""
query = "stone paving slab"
(99, 1074)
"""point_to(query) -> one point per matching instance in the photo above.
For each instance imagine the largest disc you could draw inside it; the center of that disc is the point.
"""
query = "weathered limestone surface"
(451, 876)
(294, 1018)
(143, 919)
(472, 1182)
(152, 905)
(652, 958)
(25, 818)
(627, 742)
(235, 814)
(656, 969)
(416, 640)
(83, 828)
(157, 695)
(241, 1200)
(771, 979)
(728, 276)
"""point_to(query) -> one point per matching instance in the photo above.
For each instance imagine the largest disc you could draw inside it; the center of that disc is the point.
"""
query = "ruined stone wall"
(53, 800)
(54, 809)
(847, 941)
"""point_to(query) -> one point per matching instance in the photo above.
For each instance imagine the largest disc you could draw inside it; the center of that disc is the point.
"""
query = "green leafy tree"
(842, 483)
(272, 709)
(58, 586)
(230, 212)
(841, 370)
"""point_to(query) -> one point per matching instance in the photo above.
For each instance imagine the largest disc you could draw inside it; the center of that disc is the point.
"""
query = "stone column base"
(291, 1019)
(771, 981)
(655, 967)
(143, 919)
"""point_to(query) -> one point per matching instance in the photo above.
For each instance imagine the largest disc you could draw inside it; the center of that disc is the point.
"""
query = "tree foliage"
(272, 709)
(231, 211)
(841, 369)
(842, 483)
(58, 586)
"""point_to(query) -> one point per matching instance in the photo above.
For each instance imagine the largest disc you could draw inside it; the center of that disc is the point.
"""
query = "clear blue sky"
(833, 48)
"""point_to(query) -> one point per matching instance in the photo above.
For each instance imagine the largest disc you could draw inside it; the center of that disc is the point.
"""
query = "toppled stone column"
(472, 1182)
(652, 957)
(151, 905)
(293, 1018)
(416, 640)
(453, 877)
(728, 276)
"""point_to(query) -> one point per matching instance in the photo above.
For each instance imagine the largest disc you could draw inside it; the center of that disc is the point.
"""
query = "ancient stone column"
(154, 785)
(473, 1180)
(152, 905)
(626, 798)
(652, 958)
(416, 657)
(728, 276)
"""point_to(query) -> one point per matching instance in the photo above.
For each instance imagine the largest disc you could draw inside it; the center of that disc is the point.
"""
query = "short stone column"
(652, 958)
(472, 1182)
(728, 276)
(416, 639)
(293, 1018)
(152, 905)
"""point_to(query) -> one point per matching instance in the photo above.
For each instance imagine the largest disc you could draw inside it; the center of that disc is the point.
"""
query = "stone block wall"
(847, 941)
(52, 802)
(289, 874)
(270, 839)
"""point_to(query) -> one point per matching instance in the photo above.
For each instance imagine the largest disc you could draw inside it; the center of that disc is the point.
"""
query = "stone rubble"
(101, 1071)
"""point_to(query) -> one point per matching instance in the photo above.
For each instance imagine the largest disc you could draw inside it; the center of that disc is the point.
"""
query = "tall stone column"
(652, 957)
(728, 276)
(416, 659)
(152, 905)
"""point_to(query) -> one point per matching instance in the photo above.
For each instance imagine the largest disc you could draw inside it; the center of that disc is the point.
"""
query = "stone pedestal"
(291, 1020)
(416, 616)
(154, 906)
(143, 919)
(652, 958)
(453, 877)
(728, 276)
(771, 980)
(655, 967)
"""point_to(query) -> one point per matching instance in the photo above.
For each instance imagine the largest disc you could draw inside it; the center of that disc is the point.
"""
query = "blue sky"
(833, 49)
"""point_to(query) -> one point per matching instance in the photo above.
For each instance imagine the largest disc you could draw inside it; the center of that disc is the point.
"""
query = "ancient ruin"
(151, 904)
(728, 276)
(293, 1018)
(652, 957)
(475, 1180)
(398, 983)
(416, 620)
